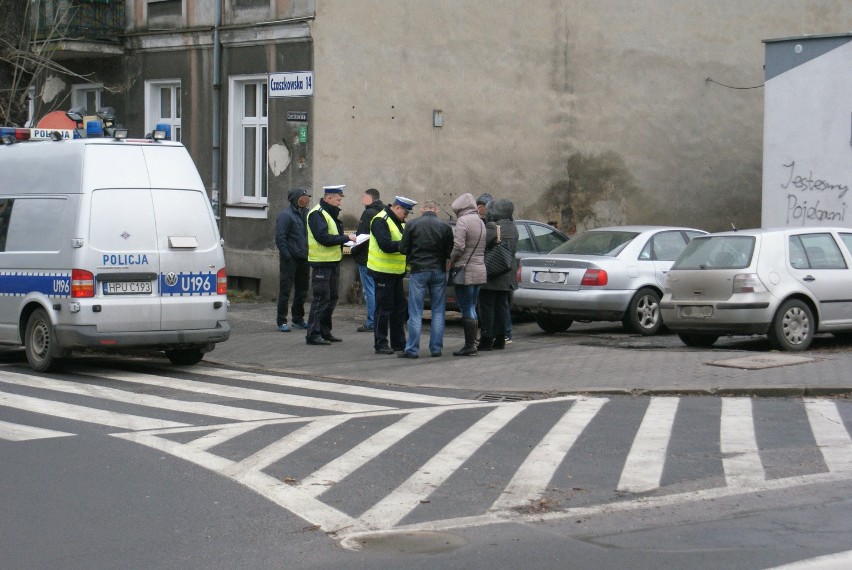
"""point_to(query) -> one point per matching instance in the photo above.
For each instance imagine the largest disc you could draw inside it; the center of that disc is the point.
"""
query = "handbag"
(498, 258)
(455, 276)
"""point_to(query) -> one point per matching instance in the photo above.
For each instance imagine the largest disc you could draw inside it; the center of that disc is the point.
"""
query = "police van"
(107, 243)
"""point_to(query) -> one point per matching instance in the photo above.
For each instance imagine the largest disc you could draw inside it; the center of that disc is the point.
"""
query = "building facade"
(587, 113)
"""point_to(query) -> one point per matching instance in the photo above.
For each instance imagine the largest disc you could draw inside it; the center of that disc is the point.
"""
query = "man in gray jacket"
(291, 238)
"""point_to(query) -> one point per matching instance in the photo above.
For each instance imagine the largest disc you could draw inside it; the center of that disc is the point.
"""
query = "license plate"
(127, 288)
(695, 311)
(549, 277)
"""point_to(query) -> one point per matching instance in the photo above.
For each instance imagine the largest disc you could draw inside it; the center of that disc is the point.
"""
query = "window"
(89, 96)
(163, 106)
(31, 95)
(32, 224)
(815, 251)
(546, 238)
(247, 156)
(164, 8)
(664, 246)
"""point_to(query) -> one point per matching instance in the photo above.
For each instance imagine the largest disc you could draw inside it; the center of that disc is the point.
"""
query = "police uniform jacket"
(291, 235)
(380, 234)
(360, 252)
(427, 242)
(319, 227)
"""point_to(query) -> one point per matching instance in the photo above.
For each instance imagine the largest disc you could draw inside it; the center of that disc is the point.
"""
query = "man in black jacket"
(372, 206)
(427, 242)
(291, 238)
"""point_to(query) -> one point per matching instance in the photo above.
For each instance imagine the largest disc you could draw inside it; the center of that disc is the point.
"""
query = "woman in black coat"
(495, 294)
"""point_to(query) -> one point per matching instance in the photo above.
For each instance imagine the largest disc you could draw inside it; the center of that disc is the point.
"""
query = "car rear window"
(597, 243)
(717, 252)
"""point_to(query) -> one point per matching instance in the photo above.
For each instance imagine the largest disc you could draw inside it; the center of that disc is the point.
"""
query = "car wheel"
(793, 327)
(185, 356)
(552, 323)
(698, 340)
(40, 343)
(643, 312)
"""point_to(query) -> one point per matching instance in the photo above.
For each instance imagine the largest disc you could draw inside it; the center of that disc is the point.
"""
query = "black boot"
(485, 343)
(469, 348)
(499, 342)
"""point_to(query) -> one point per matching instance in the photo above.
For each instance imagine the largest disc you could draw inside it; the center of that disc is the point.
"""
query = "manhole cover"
(760, 361)
(413, 542)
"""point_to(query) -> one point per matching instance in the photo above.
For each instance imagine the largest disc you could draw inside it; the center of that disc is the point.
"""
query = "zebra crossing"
(355, 459)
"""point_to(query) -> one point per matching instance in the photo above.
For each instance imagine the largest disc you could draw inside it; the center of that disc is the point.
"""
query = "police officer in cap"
(325, 250)
(387, 267)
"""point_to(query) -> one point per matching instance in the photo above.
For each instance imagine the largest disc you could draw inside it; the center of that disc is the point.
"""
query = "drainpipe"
(217, 97)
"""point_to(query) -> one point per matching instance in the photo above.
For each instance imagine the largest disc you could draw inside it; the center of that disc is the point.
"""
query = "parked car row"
(787, 283)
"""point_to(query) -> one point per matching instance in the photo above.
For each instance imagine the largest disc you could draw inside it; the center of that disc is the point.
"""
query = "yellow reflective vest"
(380, 260)
(323, 253)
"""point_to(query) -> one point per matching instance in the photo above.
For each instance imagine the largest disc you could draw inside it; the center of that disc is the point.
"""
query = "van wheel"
(793, 327)
(698, 340)
(185, 356)
(40, 343)
(643, 313)
(552, 323)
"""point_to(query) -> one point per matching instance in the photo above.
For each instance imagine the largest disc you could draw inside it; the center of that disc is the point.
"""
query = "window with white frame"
(87, 95)
(31, 95)
(247, 156)
(162, 106)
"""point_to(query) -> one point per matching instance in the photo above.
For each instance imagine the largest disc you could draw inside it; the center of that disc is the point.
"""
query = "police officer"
(387, 267)
(325, 250)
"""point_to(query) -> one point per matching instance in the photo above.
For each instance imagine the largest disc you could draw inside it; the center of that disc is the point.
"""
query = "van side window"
(34, 224)
(5, 218)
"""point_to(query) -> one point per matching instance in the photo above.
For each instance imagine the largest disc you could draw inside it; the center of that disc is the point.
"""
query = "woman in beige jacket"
(468, 252)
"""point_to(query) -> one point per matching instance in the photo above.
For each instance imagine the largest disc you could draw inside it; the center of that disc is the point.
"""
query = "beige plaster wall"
(524, 85)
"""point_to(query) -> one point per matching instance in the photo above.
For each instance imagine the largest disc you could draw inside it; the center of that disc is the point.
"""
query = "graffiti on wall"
(813, 199)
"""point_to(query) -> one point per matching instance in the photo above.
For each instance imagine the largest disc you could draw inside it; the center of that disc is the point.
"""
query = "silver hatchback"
(786, 283)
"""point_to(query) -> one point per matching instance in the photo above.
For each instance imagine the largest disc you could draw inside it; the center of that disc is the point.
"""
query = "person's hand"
(351, 237)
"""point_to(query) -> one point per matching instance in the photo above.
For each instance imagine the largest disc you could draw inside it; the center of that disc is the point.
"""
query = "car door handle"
(809, 278)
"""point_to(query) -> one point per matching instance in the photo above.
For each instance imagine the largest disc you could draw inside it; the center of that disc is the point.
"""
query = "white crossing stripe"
(336, 470)
(285, 446)
(830, 434)
(18, 432)
(348, 389)
(201, 408)
(534, 475)
(83, 414)
(396, 505)
(738, 444)
(220, 436)
(240, 393)
(643, 468)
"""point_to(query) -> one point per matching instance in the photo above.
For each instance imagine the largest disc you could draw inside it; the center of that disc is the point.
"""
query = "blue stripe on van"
(20, 283)
(187, 284)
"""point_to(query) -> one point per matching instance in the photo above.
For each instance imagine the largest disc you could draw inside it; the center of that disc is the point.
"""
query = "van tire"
(40, 343)
(185, 356)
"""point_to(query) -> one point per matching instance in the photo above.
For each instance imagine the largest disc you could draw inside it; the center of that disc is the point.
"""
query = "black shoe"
(384, 350)
(398, 349)
(317, 340)
(404, 354)
(332, 338)
(365, 328)
(436, 355)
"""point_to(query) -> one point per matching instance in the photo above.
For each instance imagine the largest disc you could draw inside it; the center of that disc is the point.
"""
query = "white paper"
(359, 239)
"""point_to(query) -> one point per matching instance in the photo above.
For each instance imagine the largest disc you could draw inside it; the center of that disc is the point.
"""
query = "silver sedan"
(605, 274)
(785, 283)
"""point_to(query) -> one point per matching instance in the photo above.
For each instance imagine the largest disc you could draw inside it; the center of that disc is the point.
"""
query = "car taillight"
(748, 283)
(518, 275)
(222, 282)
(82, 283)
(594, 278)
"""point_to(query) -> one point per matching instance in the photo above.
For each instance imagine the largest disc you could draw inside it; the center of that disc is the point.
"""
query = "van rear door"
(123, 242)
(190, 258)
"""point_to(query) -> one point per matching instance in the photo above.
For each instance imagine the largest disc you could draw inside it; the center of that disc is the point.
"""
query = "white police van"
(107, 243)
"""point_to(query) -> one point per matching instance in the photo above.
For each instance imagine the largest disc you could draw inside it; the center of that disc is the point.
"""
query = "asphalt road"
(149, 466)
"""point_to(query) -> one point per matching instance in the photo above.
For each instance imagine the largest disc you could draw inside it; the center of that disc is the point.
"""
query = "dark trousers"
(391, 313)
(324, 282)
(494, 313)
(293, 274)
